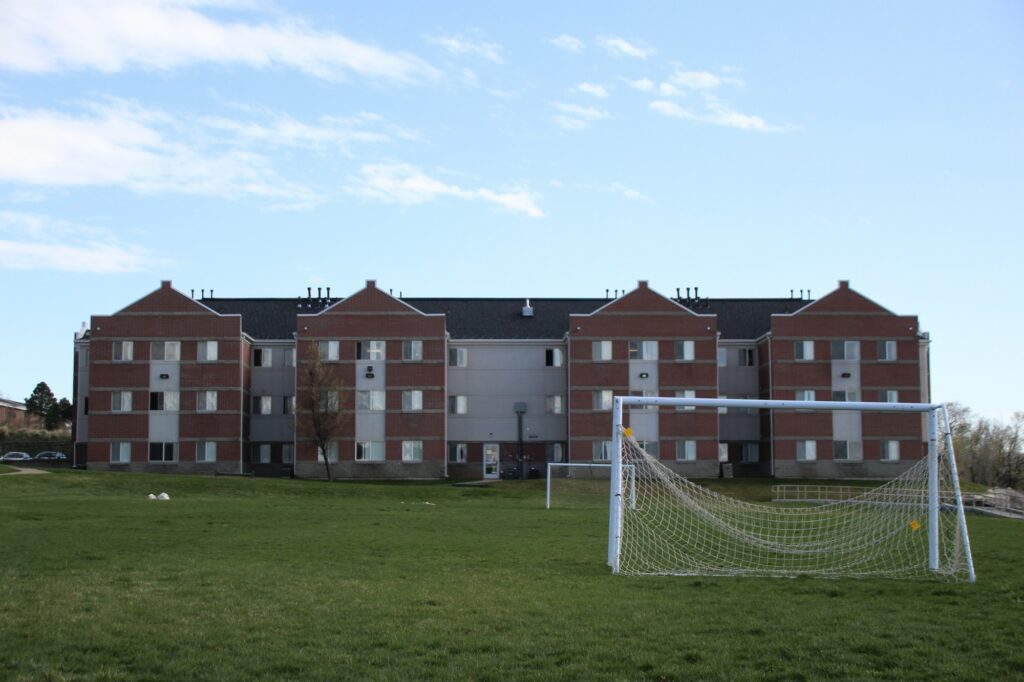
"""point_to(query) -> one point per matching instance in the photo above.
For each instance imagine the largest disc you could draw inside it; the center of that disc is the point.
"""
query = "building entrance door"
(491, 460)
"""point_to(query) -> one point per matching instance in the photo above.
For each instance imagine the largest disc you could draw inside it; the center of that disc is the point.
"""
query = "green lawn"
(7, 469)
(276, 579)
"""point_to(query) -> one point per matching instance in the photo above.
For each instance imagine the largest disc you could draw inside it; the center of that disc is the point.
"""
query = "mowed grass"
(277, 579)
(7, 469)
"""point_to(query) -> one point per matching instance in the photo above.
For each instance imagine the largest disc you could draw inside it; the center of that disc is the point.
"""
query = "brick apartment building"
(459, 387)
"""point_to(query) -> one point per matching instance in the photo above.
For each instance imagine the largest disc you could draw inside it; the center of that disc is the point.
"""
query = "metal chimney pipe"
(696, 293)
(202, 293)
(309, 292)
(211, 293)
(328, 292)
(319, 294)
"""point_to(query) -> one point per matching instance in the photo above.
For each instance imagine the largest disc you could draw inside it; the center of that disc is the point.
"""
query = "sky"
(527, 149)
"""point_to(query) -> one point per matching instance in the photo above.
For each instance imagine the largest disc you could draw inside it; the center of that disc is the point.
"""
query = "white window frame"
(640, 349)
(289, 357)
(554, 404)
(412, 451)
(412, 400)
(330, 401)
(163, 452)
(265, 453)
(602, 450)
(850, 396)
(885, 346)
(206, 351)
(890, 451)
(804, 394)
(458, 453)
(854, 451)
(330, 351)
(412, 350)
(206, 401)
(206, 451)
(288, 404)
(806, 450)
(747, 357)
(723, 409)
(722, 357)
(120, 452)
(332, 453)
(170, 351)
(803, 350)
(371, 400)
(370, 451)
(458, 356)
(723, 452)
(458, 404)
(554, 357)
(262, 405)
(888, 395)
(601, 351)
(373, 350)
(689, 348)
(688, 393)
(266, 356)
(750, 453)
(686, 450)
(121, 401)
(126, 349)
(603, 400)
(851, 349)
(287, 453)
(556, 452)
(171, 401)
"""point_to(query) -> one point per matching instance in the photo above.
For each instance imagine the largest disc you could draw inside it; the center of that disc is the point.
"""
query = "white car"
(16, 457)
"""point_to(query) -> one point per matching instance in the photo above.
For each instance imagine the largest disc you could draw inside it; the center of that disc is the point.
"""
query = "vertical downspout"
(241, 400)
(444, 400)
(771, 413)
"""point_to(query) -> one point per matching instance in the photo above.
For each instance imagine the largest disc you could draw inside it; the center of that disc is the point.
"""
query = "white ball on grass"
(151, 496)
(163, 496)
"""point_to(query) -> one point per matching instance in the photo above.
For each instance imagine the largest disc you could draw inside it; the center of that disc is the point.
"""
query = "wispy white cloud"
(329, 132)
(641, 84)
(627, 192)
(701, 80)
(568, 43)
(593, 89)
(114, 35)
(620, 47)
(407, 184)
(39, 242)
(575, 117)
(716, 113)
(119, 143)
(460, 46)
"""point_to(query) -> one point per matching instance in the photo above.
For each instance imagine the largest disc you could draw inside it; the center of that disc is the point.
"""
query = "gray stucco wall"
(278, 382)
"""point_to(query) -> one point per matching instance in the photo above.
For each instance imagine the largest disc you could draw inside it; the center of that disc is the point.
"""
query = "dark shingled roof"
(268, 318)
(502, 318)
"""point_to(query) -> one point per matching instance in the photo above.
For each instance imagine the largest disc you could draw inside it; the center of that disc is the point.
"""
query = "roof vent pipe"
(211, 293)
(616, 293)
(309, 292)
(696, 293)
(808, 294)
(319, 292)
(328, 292)
(801, 294)
(202, 293)
(687, 293)
(606, 294)
(527, 309)
(193, 293)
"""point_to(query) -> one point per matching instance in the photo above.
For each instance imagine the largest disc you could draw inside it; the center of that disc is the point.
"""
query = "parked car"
(50, 456)
(16, 457)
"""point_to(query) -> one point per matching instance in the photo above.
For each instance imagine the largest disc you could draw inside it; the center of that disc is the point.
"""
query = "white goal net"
(910, 527)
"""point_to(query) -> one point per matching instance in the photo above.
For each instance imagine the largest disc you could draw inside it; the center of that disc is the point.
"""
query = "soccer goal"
(587, 481)
(661, 523)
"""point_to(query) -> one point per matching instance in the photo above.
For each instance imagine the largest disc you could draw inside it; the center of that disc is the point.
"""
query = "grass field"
(277, 579)
(7, 469)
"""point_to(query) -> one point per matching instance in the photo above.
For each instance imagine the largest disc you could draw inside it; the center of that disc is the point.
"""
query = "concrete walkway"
(24, 470)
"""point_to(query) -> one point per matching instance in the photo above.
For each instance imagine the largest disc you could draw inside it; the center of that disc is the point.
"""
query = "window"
(163, 401)
(723, 357)
(120, 453)
(803, 350)
(553, 404)
(458, 357)
(262, 404)
(287, 453)
(886, 351)
(723, 452)
(206, 401)
(643, 350)
(804, 394)
(370, 451)
(747, 357)
(602, 450)
(846, 450)
(751, 453)
(412, 401)
(845, 350)
(890, 451)
(263, 357)
(370, 401)
(723, 409)
(162, 452)
(845, 396)
(554, 357)
(651, 447)
(888, 395)
(123, 351)
(329, 351)
(288, 404)
(206, 451)
(684, 350)
(169, 351)
(603, 400)
(601, 351)
(206, 351)
(644, 394)
(458, 404)
(412, 351)
(686, 393)
(329, 401)
(412, 451)
(289, 357)
(806, 450)
(555, 452)
(261, 453)
(332, 453)
(458, 452)
(686, 450)
(369, 350)
(121, 401)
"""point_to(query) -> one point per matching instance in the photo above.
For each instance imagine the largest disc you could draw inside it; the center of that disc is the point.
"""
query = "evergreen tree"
(41, 401)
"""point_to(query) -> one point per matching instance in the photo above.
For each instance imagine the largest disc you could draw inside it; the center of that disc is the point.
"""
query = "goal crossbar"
(932, 410)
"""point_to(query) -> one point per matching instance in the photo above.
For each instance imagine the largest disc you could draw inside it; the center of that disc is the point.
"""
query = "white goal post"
(672, 526)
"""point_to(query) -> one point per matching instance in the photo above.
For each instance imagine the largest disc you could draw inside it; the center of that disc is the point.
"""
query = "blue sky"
(515, 149)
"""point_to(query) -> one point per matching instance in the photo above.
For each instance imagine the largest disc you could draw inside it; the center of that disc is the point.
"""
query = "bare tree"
(321, 418)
